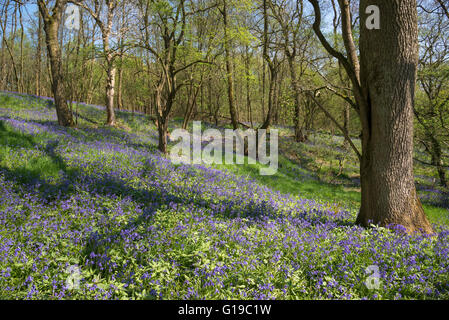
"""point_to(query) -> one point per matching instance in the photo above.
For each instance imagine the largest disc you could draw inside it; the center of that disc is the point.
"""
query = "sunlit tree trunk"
(51, 26)
(389, 59)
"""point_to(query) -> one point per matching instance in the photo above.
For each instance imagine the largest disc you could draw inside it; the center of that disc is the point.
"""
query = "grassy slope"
(311, 170)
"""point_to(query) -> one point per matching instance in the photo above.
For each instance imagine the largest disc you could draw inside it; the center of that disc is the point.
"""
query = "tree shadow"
(98, 244)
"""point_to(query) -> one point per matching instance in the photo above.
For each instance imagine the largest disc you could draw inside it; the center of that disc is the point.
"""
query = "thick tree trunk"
(388, 76)
(51, 25)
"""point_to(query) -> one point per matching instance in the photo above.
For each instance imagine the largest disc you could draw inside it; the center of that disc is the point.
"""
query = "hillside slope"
(97, 212)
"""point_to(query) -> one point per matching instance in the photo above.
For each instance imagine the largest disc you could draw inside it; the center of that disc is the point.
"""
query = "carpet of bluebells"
(107, 204)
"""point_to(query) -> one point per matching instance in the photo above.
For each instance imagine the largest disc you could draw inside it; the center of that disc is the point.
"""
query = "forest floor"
(95, 212)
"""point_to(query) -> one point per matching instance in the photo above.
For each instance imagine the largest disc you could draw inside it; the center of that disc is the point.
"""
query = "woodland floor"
(102, 206)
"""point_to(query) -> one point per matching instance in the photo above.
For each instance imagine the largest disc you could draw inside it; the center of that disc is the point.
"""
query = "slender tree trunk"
(189, 106)
(437, 161)
(110, 68)
(162, 119)
(248, 92)
(271, 99)
(120, 86)
(10, 48)
(229, 68)
(346, 122)
(22, 34)
(162, 128)
(39, 57)
(110, 92)
(191, 102)
(299, 130)
(389, 59)
(2, 56)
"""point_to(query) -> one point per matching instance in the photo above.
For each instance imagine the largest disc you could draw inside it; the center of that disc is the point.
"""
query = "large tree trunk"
(51, 26)
(389, 58)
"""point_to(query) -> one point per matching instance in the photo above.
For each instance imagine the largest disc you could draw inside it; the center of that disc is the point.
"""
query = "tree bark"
(39, 57)
(51, 26)
(248, 92)
(389, 59)
(110, 92)
(300, 136)
(229, 67)
(4, 22)
(436, 152)
(384, 91)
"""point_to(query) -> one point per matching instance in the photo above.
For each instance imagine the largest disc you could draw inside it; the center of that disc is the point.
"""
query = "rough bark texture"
(389, 58)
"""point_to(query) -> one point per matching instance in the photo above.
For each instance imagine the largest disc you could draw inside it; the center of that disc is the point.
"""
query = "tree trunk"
(271, 99)
(229, 68)
(248, 92)
(162, 127)
(22, 34)
(299, 130)
(39, 57)
(51, 25)
(120, 86)
(110, 92)
(2, 55)
(437, 161)
(389, 59)
(346, 122)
